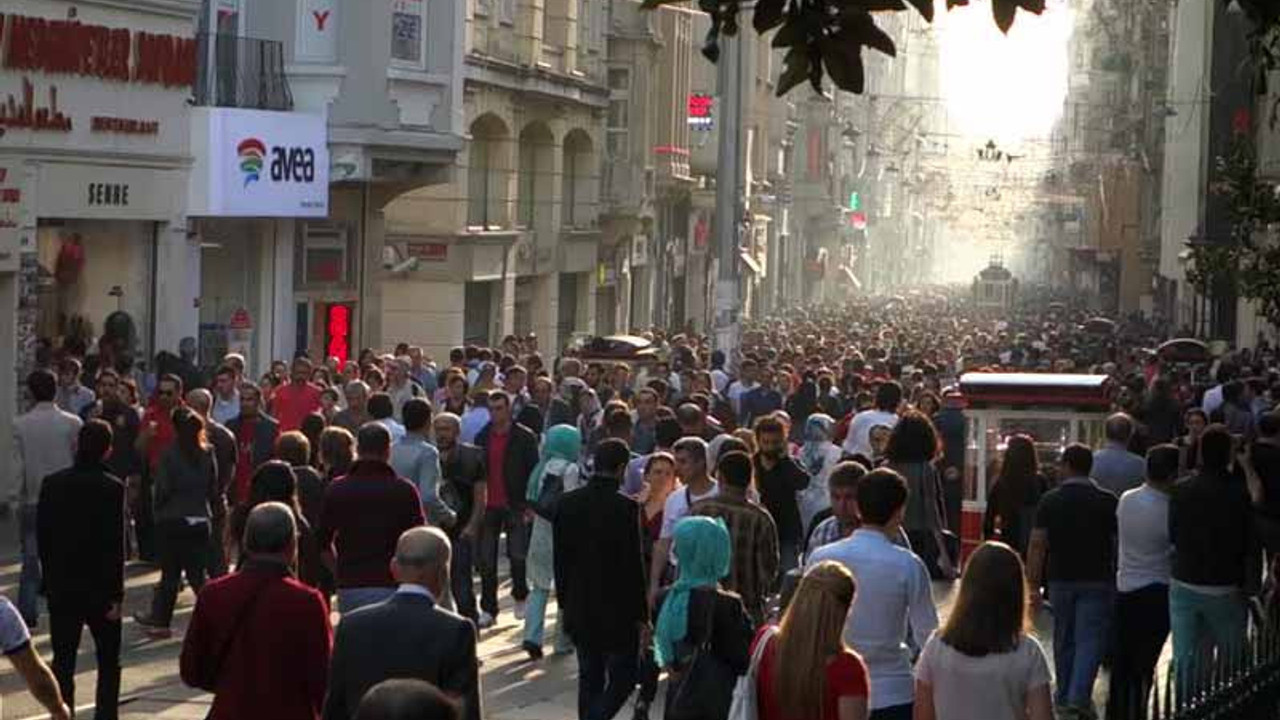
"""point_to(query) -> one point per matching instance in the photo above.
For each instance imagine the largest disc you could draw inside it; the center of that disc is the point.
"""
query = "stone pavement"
(513, 687)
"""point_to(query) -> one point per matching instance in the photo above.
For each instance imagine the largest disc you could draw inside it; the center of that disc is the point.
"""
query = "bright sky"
(1004, 88)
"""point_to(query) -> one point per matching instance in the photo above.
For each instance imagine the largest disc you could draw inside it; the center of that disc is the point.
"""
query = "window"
(408, 32)
(506, 11)
(617, 125)
(619, 79)
(478, 183)
(325, 258)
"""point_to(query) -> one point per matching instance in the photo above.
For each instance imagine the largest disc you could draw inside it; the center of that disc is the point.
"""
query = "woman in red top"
(806, 667)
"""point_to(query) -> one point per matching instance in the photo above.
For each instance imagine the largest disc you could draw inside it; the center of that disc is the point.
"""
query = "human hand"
(114, 612)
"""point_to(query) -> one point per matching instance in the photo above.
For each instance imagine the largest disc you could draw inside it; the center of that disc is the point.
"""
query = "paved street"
(514, 689)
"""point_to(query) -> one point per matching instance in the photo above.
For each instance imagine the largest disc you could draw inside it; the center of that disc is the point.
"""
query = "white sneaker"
(519, 609)
(485, 621)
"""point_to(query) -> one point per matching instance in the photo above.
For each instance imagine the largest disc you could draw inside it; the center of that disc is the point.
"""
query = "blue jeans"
(605, 681)
(352, 599)
(1081, 621)
(29, 580)
(1198, 621)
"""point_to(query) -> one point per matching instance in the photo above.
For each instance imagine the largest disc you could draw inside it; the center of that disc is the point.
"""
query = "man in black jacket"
(408, 635)
(463, 488)
(510, 453)
(80, 524)
(1215, 556)
(600, 583)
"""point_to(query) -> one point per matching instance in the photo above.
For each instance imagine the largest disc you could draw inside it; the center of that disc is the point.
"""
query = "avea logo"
(252, 154)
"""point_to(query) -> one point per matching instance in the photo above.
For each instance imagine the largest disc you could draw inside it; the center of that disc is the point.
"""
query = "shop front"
(257, 176)
(94, 154)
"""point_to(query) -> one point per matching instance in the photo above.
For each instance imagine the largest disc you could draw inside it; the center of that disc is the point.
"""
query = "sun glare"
(1010, 88)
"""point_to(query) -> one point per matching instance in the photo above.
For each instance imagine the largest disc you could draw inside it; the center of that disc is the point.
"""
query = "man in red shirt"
(292, 403)
(156, 436)
(259, 640)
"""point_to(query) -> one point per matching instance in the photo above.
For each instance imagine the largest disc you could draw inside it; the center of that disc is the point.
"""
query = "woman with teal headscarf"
(561, 448)
(695, 607)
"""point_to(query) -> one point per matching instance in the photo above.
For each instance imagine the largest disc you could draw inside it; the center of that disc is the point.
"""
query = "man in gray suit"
(408, 635)
(44, 442)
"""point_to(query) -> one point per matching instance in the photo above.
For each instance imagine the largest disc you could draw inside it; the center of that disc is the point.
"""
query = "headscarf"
(818, 431)
(562, 443)
(703, 549)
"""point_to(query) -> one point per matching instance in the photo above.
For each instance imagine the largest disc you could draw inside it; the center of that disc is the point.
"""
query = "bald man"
(224, 450)
(409, 635)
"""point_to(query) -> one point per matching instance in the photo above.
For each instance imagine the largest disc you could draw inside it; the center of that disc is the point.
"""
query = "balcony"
(241, 72)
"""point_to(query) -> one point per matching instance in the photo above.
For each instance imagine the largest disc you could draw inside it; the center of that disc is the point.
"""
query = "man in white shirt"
(226, 396)
(1144, 565)
(894, 594)
(888, 398)
(691, 468)
(745, 383)
(719, 378)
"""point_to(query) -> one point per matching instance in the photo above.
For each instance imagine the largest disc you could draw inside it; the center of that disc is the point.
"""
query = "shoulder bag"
(704, 689)
(745, 699)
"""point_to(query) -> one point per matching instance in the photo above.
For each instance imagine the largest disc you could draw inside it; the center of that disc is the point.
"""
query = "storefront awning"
(751, 263)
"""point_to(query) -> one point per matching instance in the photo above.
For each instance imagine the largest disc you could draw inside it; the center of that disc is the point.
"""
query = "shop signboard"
(258, 163)
(12, 222)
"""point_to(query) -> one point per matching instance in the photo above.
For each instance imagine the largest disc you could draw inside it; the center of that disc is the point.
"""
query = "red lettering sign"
(339, 332)
(322, 17)
(69, 47)
(700, 106)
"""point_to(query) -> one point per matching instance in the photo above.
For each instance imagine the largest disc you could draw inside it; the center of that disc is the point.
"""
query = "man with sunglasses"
(157, 436)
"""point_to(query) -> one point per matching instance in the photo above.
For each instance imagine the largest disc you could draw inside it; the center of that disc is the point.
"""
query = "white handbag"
(744, 692)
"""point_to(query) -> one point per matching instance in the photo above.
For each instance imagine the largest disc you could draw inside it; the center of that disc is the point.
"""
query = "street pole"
(730, 196)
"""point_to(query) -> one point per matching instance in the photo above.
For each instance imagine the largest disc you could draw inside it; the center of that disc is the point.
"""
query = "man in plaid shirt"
(843, 488)
(754, 567)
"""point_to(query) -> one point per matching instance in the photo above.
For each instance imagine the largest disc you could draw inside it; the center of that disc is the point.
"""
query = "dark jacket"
(521, 459)
(80, 529)
(311, 487)
(186, 486)
(259, 641)
(599, 567)
(407, 636)
(1212, 531)
(730, 630)
(460, 471)
(264, 436)
(362, 517)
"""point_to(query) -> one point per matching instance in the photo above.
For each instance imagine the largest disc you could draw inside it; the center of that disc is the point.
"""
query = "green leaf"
(768, 15)
(924, 7)
(864, 31)
(956, 3)
(877, 5)
(844, 64)
(795, 69)
(792, 33)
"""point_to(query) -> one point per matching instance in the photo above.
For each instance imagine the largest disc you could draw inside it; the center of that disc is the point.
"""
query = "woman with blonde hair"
(806, 670)
(985, 644)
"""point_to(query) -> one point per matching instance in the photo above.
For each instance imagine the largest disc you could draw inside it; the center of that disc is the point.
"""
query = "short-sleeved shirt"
(14, 635)
(846, 677)
(677, 507)
(1005, 679)
(1080, 519)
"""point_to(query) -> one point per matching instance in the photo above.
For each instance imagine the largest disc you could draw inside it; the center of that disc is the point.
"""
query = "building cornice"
(486, 70)
(182, 9)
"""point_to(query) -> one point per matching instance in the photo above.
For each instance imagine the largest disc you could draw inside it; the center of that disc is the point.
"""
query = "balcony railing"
(242, 72)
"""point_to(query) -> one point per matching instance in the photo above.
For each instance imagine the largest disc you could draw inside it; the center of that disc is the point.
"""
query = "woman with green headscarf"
(561, 448)
(694, 610)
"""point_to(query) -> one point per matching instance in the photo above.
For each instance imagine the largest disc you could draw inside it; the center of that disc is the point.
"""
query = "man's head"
(889, 396)
(691, 458)
(882, 498)
(611, 457)
(666, 431)
(499, 409)
(224, 381)
(734, 469)
(1077, 461)
(748, 371)
(646, 404)
(417, 415)
(235, 361)
(446, 427)
(380, 406)
(201, 401)
(43, 386)
(250, 400)
(691, 419)
(300, 371)
(407, 699)
(1162, 464)
(1215, 448)
(294, 448)
(842, 485)
(69, 372)
(93, 444)
(513, 381)
(357, 394)
(570, 368)
(270, 532)
(422, 558)
(107, 385)
(771, 437)
(543, 388)
(169, 392)
(617, 424)
(1119, 428)
(373, 442)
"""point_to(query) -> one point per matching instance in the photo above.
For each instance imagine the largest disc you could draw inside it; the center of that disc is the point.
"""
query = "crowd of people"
(783, 518)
